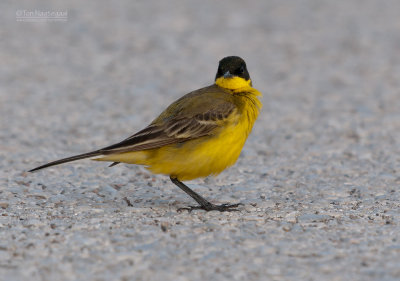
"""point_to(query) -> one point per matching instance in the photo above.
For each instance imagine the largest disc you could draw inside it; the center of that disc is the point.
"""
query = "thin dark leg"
(204, 204)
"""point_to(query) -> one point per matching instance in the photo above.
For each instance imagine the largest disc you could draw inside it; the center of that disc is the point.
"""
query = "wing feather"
(176, 130)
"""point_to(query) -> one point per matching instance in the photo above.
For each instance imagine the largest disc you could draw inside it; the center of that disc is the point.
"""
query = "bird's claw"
(212, 207)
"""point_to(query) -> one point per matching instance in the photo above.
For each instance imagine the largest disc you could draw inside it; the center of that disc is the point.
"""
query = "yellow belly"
(192, 159)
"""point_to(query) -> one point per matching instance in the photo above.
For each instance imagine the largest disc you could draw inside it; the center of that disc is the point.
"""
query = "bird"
(198, 135)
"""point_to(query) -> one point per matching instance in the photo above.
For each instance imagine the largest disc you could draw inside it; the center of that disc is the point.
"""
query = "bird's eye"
(241, 70)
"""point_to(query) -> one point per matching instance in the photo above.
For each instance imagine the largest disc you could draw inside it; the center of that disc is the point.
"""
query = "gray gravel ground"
(319, 176)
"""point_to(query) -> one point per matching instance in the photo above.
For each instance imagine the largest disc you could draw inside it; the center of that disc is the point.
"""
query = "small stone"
(4, 205)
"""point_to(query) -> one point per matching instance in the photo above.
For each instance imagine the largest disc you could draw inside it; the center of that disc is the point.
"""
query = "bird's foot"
(212, 207)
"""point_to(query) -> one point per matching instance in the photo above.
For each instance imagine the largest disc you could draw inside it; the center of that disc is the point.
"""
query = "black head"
(232, 66)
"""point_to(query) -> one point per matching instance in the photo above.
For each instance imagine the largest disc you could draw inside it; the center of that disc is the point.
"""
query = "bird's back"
(201, 101)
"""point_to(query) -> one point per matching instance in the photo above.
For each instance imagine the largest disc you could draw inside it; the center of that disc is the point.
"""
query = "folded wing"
(176, 130)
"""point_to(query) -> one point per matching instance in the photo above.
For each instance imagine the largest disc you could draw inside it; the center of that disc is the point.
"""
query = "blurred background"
(107, 60)
(326, 142)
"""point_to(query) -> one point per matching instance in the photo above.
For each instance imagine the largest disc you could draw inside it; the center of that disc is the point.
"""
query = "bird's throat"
(232, 83)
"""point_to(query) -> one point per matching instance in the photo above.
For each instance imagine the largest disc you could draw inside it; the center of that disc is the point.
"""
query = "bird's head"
(232, 73)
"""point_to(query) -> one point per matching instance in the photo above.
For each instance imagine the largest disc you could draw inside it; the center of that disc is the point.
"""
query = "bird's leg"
(204, 204)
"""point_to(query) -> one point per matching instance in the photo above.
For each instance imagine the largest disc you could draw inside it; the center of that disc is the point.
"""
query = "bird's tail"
(69, 159)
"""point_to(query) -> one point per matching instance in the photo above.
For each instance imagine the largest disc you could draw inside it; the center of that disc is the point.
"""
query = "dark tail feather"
(69, 159)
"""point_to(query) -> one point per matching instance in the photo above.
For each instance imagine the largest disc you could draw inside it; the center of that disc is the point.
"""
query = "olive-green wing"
(196, 115)
(176, 130)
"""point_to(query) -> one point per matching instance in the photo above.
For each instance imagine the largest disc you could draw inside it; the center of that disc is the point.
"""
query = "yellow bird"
(200, 134)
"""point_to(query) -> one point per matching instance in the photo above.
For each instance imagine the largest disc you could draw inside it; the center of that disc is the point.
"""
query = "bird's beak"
(228, 74)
